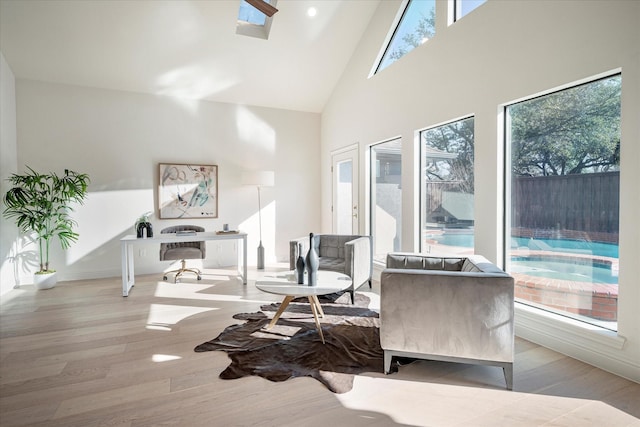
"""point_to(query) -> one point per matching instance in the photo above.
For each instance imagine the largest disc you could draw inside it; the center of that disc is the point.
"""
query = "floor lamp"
(259, 179)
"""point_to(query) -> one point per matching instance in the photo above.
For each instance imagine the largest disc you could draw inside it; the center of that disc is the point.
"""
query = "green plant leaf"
(40, 203)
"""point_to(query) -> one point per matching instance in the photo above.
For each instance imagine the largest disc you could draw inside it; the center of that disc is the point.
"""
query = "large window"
(447, 188)
(417, 24)
(562, 240)
(386, 197)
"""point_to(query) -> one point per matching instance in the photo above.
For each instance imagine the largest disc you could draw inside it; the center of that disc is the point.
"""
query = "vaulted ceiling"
(186, 48)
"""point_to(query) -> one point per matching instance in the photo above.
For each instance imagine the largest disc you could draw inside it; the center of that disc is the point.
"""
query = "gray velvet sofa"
(351, 255)
(455, 309)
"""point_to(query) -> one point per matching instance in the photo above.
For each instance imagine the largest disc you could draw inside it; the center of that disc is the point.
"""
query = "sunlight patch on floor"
(449, 405)
(181, 290)
(216, 277)
(374, 299)
(196, 291)
(164, 315)
(164, 358)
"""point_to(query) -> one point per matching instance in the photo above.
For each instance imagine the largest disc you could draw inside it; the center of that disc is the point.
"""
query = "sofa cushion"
(432, 263)
(332, 264)
(453, 264)
(332, 246)
(329, 246)
(405, 261)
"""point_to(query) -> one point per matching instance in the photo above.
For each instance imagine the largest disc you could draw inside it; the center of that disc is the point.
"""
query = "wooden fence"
(578, 206)
(581, 202)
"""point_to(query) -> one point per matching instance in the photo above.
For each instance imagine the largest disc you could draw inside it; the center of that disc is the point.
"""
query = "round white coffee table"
(286, 284)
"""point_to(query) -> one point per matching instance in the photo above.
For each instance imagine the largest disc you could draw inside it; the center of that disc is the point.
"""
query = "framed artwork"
(188, 191)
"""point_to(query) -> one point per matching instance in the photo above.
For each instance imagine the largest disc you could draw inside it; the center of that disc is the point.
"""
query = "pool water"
(463, 240)
(553, 245)
(552, 269)
(595, 273)
(561, 245)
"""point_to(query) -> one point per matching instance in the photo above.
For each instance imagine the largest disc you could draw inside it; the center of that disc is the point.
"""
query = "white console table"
(127, 243)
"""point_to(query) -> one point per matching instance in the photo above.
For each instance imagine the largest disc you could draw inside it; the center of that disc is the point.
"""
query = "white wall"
(119, 138)
(8, 165)
(501, 52)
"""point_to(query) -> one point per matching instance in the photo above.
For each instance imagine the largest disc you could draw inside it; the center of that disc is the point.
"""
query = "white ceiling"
(186, 48)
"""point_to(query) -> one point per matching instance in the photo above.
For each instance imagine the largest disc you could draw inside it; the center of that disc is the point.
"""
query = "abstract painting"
(188, 191)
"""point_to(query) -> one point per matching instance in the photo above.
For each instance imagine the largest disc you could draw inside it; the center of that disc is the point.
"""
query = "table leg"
(314, 310)
(283, 306)
(128, 272)
(318, 306)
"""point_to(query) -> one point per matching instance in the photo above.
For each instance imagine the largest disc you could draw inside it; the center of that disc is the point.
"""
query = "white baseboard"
(77, 275)
(596, 346)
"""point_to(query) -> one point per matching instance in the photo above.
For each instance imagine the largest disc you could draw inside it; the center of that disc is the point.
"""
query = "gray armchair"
(454, 309)
(182, 251)
(351, 255)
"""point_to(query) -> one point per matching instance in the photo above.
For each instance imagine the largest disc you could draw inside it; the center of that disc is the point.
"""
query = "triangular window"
(414, 25)
(462, 7)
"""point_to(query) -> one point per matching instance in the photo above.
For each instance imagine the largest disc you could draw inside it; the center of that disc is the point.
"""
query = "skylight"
(250, 14)
(253, 23)
(414, 25)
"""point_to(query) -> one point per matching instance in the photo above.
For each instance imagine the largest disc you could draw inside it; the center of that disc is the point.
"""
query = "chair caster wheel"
(199, 278)
(164, 278)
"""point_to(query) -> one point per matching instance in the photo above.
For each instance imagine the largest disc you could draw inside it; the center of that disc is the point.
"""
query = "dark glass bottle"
(313, 262)
(300, 265)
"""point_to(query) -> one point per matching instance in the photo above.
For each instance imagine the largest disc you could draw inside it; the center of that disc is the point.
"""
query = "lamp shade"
(258, 178)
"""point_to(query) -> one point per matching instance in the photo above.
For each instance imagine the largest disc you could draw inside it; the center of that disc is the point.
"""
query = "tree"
(569, 132)
(425, 29)
(456, 143)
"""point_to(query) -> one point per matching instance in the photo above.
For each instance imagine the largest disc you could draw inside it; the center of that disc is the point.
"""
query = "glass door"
(386, 197)
(345, 191)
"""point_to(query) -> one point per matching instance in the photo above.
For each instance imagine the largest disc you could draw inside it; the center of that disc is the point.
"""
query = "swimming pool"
(568, 246)
(453, 239)
(553, 245)
(556, 269)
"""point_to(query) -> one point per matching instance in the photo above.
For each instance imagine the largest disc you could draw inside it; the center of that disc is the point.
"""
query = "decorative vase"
(144, 229)
(313, 262)
(45, 280)
(300, 265)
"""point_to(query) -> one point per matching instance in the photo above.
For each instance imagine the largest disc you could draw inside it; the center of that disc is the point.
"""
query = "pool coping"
(597, 300)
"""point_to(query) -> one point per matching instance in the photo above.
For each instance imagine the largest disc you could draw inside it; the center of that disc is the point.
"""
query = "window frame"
(547, 314)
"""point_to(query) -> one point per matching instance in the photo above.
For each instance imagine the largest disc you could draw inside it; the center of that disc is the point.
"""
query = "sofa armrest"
(293, 250)
(358, 260)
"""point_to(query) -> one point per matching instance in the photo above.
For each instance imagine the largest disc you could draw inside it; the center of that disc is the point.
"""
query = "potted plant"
(40, 204)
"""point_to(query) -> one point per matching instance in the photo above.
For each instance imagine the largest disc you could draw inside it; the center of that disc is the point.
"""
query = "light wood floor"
(82, 355)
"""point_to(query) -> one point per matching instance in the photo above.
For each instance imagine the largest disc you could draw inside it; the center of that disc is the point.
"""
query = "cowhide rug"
(293, 348)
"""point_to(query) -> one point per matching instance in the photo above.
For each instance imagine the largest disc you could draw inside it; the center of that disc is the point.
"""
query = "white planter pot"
(45, 281)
